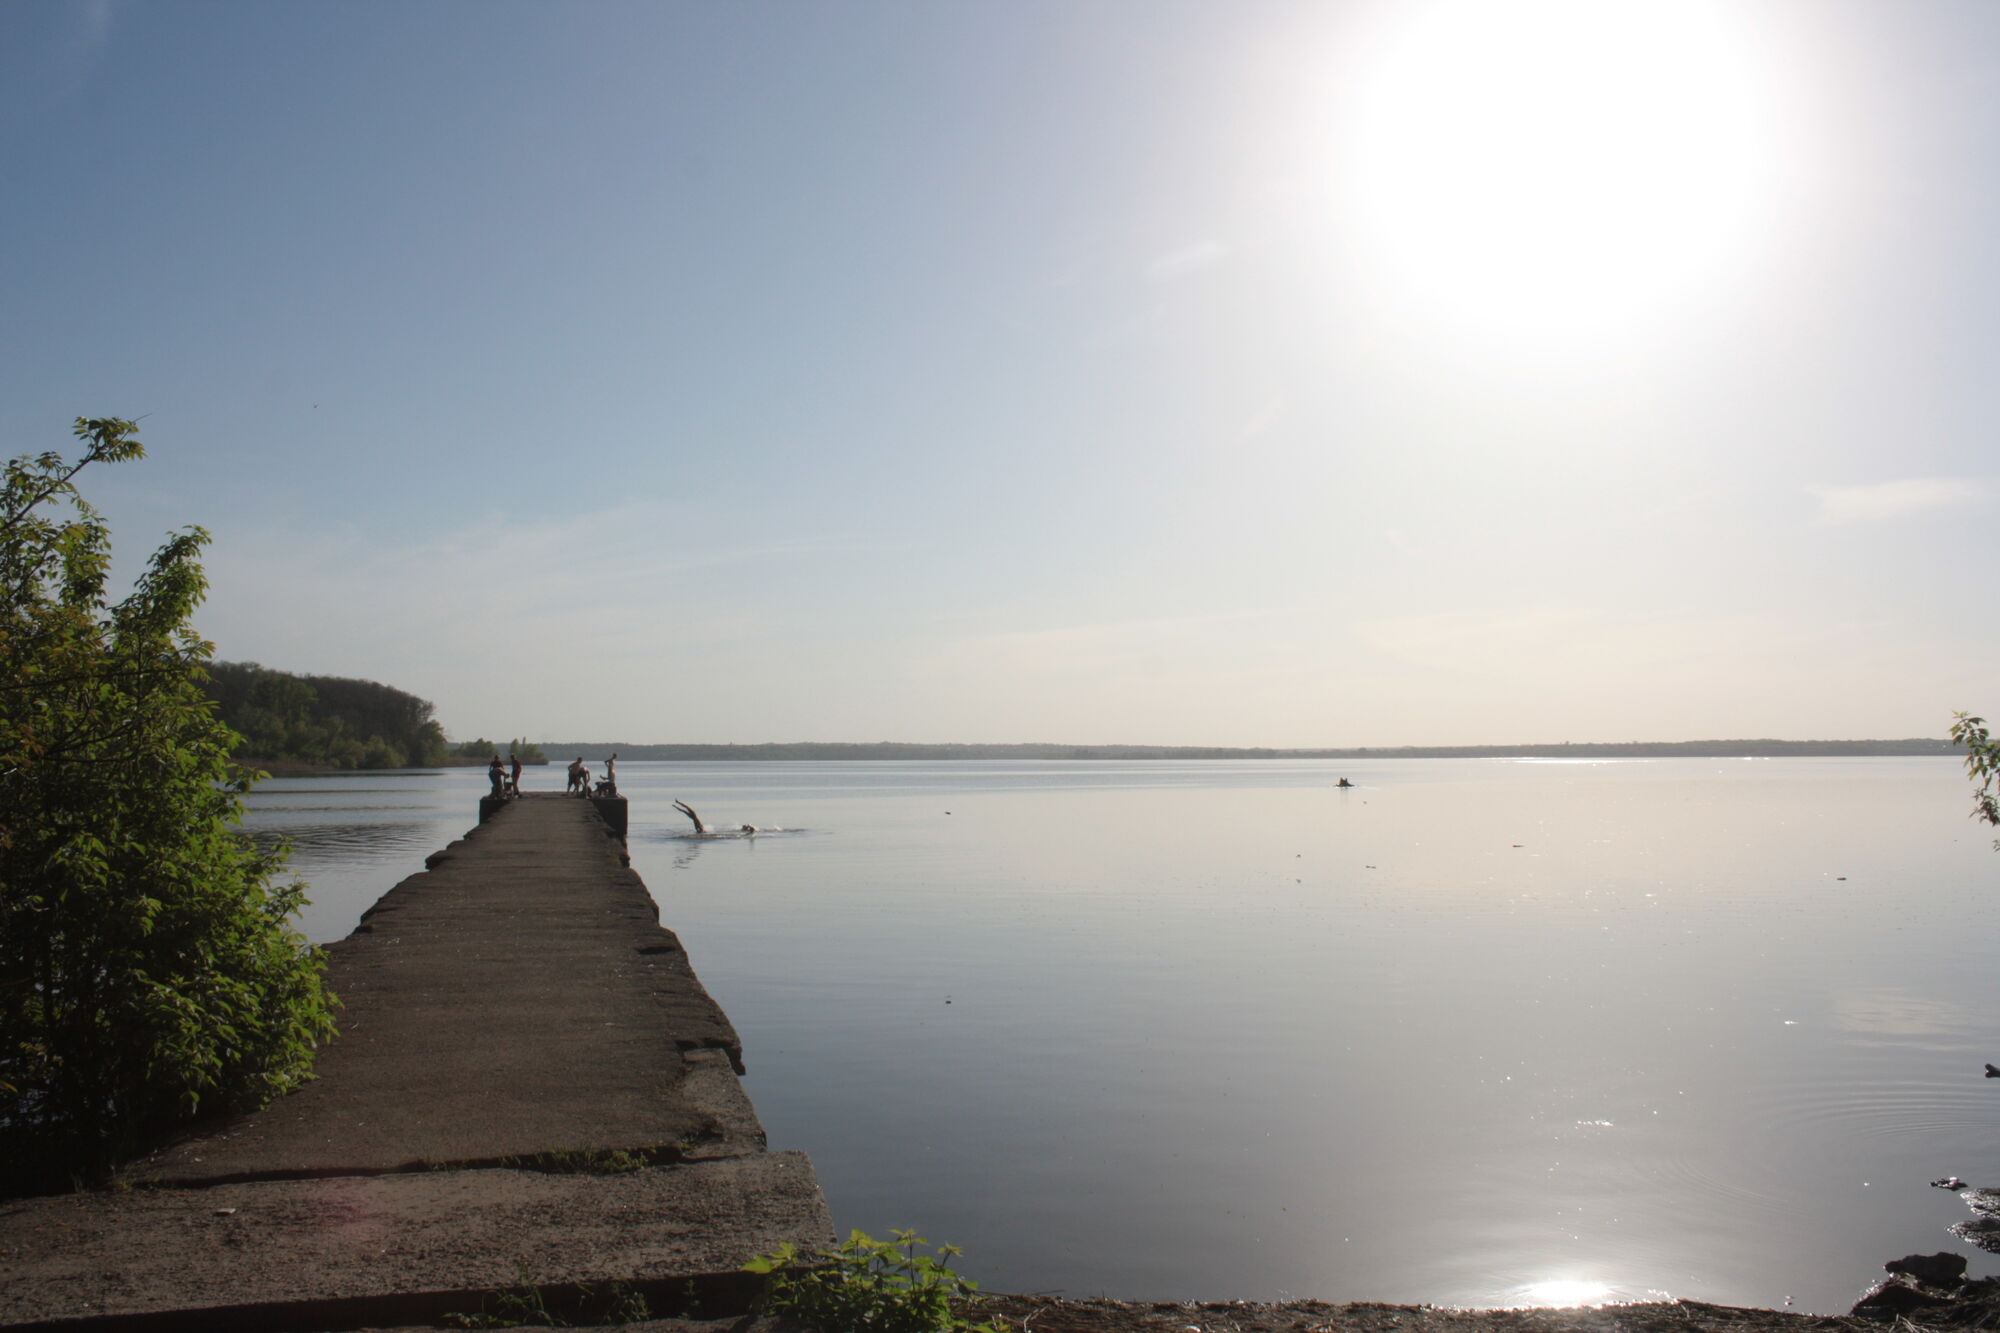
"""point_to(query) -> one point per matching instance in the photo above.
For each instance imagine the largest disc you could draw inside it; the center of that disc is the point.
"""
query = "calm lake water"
(1464, 1034)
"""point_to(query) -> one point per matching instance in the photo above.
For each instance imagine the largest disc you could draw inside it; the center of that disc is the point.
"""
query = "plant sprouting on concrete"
(870, 1286)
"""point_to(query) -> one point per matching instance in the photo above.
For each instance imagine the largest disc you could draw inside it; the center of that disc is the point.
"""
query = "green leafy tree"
(147, 970)
(482, 749)
(1982, 764)
(327, 720)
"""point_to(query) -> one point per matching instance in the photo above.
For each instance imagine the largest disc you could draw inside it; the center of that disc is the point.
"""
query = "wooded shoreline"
(900, 751)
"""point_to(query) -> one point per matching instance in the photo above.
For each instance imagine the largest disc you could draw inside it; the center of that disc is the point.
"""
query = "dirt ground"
(1048, 1314)
(1972, 1306)
(1044, 1315)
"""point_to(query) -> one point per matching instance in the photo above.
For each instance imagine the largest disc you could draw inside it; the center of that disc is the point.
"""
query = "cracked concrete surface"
(518, 1003)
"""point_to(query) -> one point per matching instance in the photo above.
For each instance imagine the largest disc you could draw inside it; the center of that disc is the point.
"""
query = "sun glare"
(1558, 165)
(1563, 1293)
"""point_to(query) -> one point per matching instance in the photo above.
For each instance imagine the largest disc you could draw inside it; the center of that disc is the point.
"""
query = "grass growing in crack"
(523, 1306)
(595, 1161)
(870, 1286)
(580, 1162)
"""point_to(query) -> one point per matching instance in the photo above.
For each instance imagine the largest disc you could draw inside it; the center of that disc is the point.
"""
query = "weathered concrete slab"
(520, 997)
(516, 1004)
(271, 1243)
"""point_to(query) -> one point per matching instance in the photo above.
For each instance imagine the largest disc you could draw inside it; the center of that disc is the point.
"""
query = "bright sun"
(1559, 166)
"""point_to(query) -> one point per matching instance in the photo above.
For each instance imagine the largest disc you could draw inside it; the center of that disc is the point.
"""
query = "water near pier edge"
(1475, 1032)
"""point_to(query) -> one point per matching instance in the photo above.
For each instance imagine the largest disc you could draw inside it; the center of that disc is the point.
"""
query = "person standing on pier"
(514, 762)
(497, 775)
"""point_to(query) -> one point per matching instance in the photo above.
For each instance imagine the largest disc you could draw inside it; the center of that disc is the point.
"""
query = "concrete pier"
(609, 808)
(530, 1084)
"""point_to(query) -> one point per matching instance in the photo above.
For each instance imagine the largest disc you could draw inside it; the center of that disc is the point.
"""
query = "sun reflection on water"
(1562, 1292)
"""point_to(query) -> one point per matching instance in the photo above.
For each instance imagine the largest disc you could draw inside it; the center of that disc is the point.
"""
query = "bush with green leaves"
(870, 1286)
(1982, 765)
(147, 968)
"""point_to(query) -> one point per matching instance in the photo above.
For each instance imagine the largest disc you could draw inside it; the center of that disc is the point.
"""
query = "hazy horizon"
(1943, 742)
(1413, 372)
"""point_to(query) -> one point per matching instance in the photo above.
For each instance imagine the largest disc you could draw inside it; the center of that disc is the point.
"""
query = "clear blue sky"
(1302, 373)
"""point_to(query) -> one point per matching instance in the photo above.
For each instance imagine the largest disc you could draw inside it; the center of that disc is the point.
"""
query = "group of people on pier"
(579, 777)
(506, 777)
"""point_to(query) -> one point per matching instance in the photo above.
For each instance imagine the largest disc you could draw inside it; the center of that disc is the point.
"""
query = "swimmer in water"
(746, 828)
(700, 829)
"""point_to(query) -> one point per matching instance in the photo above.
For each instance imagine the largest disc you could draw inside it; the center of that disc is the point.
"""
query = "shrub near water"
(147, 971)
(870, 1286)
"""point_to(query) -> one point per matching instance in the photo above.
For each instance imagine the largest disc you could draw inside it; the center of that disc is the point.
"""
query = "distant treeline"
(324, 721)
(1921, 745)
(482, 750)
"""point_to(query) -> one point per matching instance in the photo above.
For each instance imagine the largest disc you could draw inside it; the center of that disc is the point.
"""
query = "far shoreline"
(296, 768)
(1761, 748)
(909, 751)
